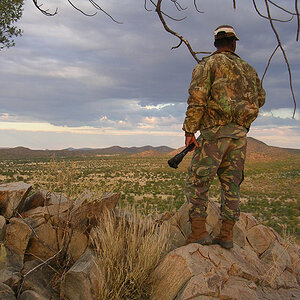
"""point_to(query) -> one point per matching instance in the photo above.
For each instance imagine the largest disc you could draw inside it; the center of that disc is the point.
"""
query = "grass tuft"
(128, 248)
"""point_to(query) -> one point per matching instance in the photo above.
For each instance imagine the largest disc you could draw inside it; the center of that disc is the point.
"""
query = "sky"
(77, 81)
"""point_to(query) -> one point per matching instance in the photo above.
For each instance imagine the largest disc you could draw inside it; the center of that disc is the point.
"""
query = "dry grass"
(129, 247)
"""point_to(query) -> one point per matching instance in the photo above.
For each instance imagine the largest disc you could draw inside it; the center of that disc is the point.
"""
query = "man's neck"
(223, 49)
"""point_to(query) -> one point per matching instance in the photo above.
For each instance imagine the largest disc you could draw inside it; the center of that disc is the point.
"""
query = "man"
(225, 95)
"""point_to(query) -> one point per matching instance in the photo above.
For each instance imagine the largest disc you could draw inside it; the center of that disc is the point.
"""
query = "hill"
(258, 150)
(26, 153)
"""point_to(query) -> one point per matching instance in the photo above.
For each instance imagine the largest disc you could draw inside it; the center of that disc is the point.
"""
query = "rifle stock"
(176, 160)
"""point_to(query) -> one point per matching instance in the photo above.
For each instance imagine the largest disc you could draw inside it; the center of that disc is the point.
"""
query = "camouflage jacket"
(224, 90)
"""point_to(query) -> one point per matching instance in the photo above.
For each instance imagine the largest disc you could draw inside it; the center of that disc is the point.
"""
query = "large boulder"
(38, 281)
(81, 281)
(11, 264)
(17, 236)
(261, 265)
(12, 197)
(88, 209)
(43, 198)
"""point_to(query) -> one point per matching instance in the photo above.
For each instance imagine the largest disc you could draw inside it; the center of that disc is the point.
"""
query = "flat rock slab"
(12, 197)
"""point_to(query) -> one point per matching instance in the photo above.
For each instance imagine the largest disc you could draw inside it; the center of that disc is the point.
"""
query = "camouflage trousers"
(224, 157)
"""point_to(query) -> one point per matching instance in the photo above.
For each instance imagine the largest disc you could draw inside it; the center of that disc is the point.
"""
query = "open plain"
(270, 191)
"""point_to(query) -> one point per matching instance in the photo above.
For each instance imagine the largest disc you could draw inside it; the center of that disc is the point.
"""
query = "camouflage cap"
(225, 31)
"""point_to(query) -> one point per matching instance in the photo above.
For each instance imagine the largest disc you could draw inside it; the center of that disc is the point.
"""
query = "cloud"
(72, 71)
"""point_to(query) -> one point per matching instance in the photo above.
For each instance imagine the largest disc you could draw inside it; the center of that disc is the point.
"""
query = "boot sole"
(226, 245)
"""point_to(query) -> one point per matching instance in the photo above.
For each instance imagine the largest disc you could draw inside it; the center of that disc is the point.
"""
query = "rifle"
(176, 160)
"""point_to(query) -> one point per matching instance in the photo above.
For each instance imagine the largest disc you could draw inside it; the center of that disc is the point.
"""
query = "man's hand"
(189, 139)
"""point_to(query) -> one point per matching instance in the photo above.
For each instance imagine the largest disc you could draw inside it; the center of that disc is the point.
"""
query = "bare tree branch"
(96, 5)
(84, 13)
(160, 15)
(145, 6)
(298, 20)
(280, 7)
(284, 55)
(268, 64)
(43, 11)
(234, 5)
(196, 7)
(178, 6)
(265, 17)
(168, 16)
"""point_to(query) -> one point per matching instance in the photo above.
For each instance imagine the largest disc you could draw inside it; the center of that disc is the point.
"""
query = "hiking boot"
(199, 234)
(225, 237)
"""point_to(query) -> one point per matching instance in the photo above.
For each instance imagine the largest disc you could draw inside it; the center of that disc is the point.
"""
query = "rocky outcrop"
(43, 236)
(46, 252)
(260, 266)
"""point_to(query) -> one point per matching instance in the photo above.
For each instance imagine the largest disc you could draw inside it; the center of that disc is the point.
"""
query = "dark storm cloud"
(72, 70)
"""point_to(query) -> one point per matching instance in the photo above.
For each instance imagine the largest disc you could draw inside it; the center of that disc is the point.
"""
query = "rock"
(238, 288)
(248, 220)
(43, 198)
(31, 295)
(17, 235)
(34, 201)
(201, 285)
(239, 233)
(206, 272)
(87, 209)
(175, 271)
(2, 227)
(260, 238)
(12, 197)
(49, 238)
(48, 211)
(213, 218)
(38, 282)
(277, 257)
(11, 264)
(80, 281)
(6, 293)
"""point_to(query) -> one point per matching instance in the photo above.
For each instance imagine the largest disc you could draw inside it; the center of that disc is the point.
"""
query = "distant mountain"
(26, 153)
(258, 150)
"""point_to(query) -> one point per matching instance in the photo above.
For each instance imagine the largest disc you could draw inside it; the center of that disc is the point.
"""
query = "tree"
(10, 12)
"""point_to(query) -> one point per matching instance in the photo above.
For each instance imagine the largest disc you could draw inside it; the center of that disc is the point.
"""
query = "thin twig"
(196, 7)
(284, 55)
(269, 61)
(84, 13)
(43, 11)
(180, 37)
(298, 20)
(203, 52)
(145, 6)
(36, 267)
(234, 5)
(96, 5)
(178, 6)
(168, 16)
(280, 7)
(266, 17)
